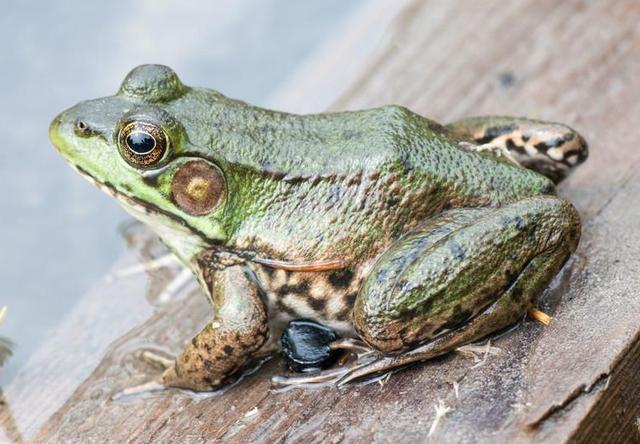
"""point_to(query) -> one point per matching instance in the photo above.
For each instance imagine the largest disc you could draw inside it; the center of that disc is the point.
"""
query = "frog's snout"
(55, 131)
(68, 127)
(61, 131)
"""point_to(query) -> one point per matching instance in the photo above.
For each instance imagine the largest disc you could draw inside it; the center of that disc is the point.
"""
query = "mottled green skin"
(457, 264)
(337, 186)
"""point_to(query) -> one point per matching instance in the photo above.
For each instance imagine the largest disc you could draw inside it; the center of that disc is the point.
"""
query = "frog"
(408, 237)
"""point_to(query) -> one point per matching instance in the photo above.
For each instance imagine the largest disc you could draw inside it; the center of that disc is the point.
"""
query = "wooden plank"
(577, 379)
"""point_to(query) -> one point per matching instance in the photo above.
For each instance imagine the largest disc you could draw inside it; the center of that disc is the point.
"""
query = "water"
(57, 233)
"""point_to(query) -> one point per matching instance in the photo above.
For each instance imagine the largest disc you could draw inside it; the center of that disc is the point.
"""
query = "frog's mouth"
(137, 207)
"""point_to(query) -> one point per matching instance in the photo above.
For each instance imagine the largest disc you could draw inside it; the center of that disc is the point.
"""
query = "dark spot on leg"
(284, 308)
(392, 202)
(516, 293)
(301, 288)
(456, 320)
(341, 278)
(318, 305)
(427, 304)
(495, 131)
(460, 317)
(511, 146)
(350, 299)
(425, 307)
(228, 349)
(548, 144)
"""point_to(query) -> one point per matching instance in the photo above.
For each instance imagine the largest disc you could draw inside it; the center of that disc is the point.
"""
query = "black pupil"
(140, 142)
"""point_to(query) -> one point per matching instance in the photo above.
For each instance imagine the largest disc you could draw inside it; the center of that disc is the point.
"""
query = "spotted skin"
(439, 277)
(224, 346)
(552, 149)
(324, 296)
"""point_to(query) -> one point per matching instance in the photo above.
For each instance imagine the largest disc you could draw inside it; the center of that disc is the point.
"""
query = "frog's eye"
(142, 144)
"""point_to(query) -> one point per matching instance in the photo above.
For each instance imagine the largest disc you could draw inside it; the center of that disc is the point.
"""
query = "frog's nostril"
(82, 128)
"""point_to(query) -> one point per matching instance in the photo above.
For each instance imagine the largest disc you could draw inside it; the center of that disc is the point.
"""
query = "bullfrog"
(406, 235)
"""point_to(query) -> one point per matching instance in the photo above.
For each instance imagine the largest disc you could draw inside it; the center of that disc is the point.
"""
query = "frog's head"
(134, 147)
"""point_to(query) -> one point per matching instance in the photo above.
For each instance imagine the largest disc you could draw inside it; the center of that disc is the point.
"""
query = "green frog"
(411, 237)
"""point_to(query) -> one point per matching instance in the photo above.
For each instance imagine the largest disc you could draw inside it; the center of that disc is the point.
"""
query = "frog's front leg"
(460, 277)
(551, 149)
(230, 341)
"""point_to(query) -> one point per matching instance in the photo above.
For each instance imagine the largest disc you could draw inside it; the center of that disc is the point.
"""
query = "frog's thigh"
(226, 344)
(458, 265)
(552, 149)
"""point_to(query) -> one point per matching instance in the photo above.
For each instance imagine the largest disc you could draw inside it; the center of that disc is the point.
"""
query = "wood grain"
(576, 380)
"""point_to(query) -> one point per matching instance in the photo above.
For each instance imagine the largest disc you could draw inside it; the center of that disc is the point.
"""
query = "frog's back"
(283, 144)
(345, 183)
(343, 144)
(385, 140)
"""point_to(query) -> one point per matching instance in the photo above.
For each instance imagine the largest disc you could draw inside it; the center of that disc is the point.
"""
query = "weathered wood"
(576, 380)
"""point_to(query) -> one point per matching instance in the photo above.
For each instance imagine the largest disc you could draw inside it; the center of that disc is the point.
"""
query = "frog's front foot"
(169, 378)
(156, 360)
(225, 346)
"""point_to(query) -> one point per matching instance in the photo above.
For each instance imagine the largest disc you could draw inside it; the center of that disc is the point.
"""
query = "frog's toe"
(156, 359)
(351, 344)
(378, 367)
(368, 367)
(154, 385)
(325, 377)
(364, 356)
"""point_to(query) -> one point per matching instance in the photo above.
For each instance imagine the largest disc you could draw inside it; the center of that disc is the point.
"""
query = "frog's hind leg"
(462, 276)
(500, 314)
(552, 149)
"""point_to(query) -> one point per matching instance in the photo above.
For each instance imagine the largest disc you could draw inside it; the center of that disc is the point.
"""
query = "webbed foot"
(364, 356)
